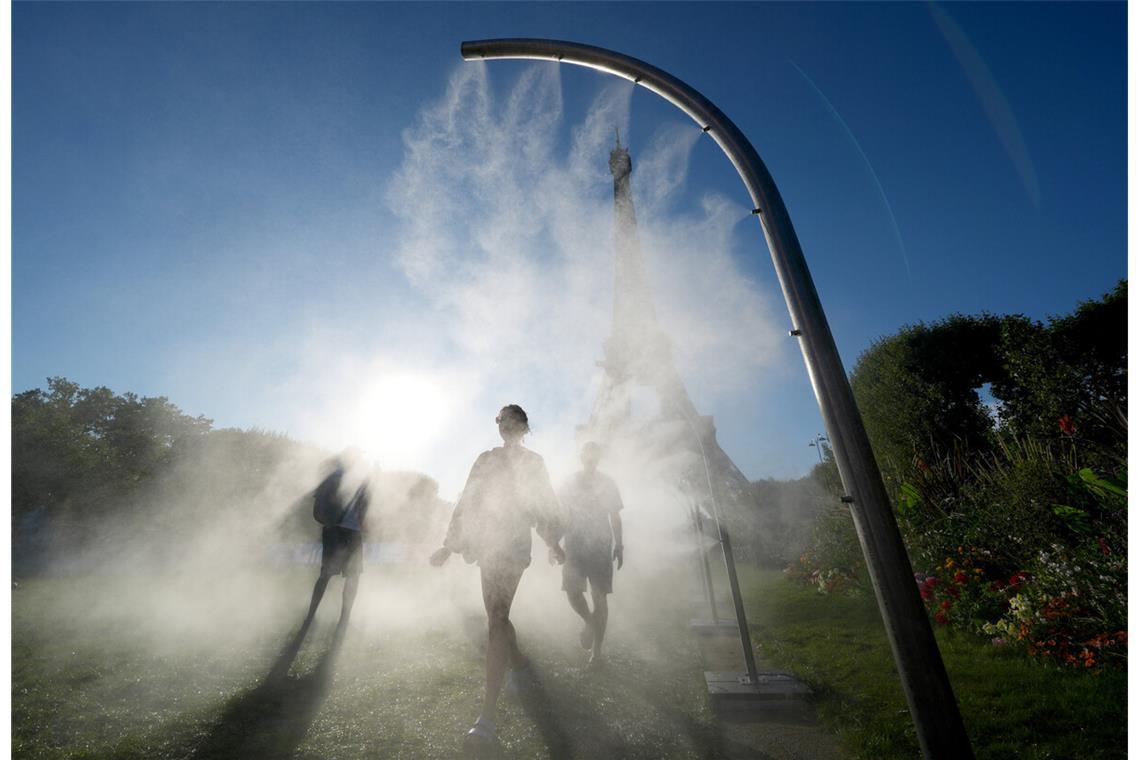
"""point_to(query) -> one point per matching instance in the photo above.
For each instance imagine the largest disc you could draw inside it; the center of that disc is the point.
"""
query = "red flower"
(1017, 579)
(945, 604)
(959, 577)
(940, 618)
(1068, 427)
(1103, 547)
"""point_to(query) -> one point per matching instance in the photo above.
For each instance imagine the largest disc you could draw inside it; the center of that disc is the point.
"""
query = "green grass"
(105, 672)
(1012, 706)
(162, 668)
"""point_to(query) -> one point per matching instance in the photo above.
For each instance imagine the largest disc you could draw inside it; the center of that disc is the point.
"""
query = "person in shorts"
(593, 543)
(342, 544)
(507, 493)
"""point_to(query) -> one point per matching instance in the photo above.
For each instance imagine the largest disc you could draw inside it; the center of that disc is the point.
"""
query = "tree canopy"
(92, 470)
(921, 390)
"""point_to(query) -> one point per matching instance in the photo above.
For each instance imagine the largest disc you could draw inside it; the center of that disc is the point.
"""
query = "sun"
(398, 416)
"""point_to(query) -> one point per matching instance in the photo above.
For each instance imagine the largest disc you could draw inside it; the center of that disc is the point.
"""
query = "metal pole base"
(734, 689)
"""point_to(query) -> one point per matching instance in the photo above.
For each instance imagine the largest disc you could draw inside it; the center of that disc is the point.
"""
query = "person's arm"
(615, 525)
(619, 550)
(550, 521)
(453, 542)
(366, 524)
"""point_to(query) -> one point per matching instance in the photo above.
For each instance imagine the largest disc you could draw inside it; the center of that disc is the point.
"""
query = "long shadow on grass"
(568, 725)
(709, 740)
(272, 719)
(571, 726)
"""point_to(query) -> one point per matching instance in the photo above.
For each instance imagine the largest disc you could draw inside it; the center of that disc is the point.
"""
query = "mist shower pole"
(924, 679)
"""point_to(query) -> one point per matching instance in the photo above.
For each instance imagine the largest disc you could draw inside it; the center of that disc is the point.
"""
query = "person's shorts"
(595, 566)
(342, 552)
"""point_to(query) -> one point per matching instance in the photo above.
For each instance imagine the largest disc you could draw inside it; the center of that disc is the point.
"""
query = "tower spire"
(679, 442)
(637, 351)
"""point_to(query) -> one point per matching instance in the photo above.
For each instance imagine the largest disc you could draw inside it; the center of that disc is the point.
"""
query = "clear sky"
(221, 203)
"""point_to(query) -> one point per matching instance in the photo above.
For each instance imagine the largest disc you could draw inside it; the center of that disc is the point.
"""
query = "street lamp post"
(817, 444)
(925, 682)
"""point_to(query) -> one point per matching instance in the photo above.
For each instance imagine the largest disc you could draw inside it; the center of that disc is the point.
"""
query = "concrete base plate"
(731, 687)
(707, 627)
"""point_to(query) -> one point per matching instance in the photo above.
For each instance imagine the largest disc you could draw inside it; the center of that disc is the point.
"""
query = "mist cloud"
(507, 235)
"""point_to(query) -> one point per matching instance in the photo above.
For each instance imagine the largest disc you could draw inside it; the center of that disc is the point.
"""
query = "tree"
(1074, 367)
(80, 452)
(917, 390)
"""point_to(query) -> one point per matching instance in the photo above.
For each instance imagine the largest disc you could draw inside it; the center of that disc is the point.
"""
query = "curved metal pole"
(927, 687)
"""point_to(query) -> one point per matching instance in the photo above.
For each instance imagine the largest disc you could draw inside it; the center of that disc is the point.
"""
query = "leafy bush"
(1014, 514)
(1031, 551)
(1074, 609)
(833, 560)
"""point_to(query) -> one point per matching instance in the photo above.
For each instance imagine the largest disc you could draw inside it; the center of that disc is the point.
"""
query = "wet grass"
(1012, 706)
(105, 685)
(101, 671)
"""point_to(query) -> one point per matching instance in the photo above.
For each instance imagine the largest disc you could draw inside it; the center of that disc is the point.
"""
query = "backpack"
(327, 506)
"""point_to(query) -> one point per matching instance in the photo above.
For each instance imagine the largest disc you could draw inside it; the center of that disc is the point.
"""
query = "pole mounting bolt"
(847, 499)
(795, 333)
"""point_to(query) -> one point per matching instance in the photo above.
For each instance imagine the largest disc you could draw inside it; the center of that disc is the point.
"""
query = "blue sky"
(202, 193)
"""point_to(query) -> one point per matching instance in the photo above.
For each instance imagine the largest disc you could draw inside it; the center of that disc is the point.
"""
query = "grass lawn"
(1012, 706)
(177, 668)
(122, 668)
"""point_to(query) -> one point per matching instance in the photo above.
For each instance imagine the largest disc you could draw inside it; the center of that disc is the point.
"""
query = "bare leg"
(601, 615)
(318, 592)
(499, 586)
(578, 604)
(350, 584)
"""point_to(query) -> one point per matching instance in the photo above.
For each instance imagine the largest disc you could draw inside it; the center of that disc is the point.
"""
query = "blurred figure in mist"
(507, 493)
(593, 543)
(343, 511)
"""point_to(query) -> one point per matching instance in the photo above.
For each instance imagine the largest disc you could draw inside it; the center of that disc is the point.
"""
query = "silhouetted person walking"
(342, 539)
(507, 493)
(593, 542)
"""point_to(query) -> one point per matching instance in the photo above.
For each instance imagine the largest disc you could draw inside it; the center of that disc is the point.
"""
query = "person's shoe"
(481, 740)
(597, 662)
(586, 637)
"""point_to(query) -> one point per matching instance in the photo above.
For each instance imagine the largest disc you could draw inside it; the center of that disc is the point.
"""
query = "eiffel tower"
(677, 441)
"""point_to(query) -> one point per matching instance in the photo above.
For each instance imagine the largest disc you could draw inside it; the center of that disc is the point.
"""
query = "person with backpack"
(342, 538)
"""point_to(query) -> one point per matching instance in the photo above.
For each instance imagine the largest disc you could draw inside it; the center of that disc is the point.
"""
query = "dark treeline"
(1003, 441)
(918, 390)
(99, 474)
